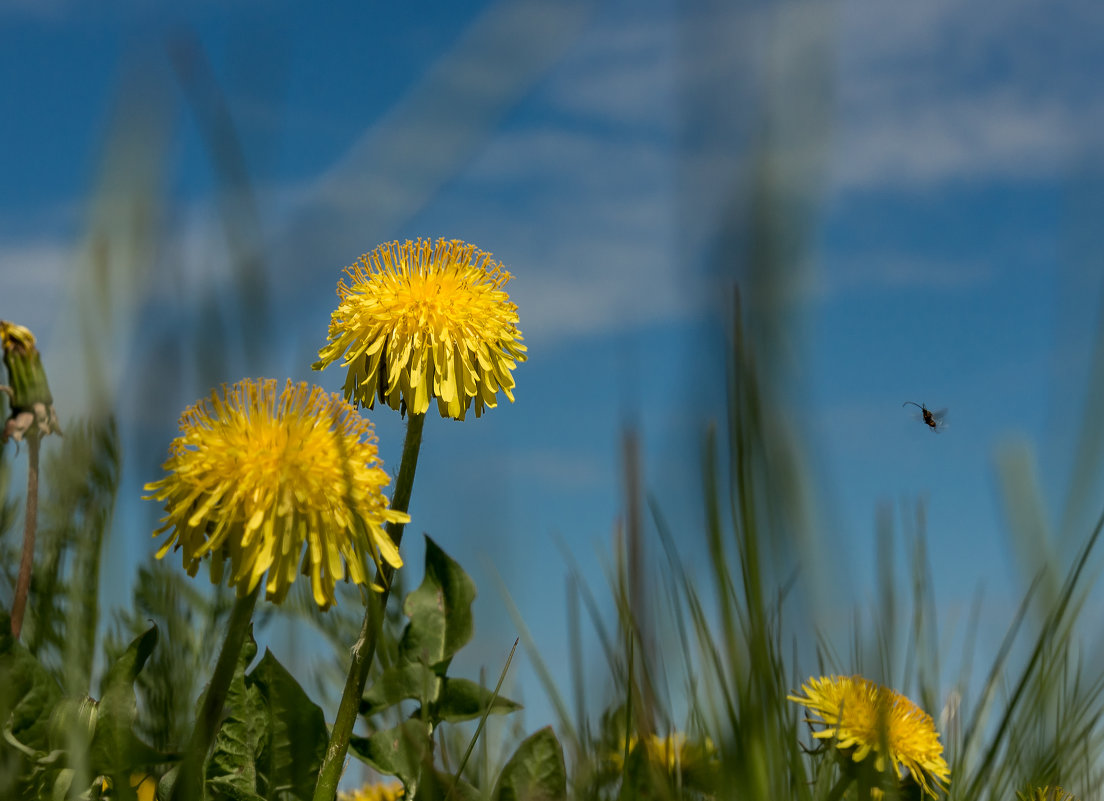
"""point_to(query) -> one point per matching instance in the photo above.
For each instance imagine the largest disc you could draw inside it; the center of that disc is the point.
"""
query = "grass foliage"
(1026, 716)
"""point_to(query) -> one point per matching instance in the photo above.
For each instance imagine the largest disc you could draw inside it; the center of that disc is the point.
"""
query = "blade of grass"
(482, 721)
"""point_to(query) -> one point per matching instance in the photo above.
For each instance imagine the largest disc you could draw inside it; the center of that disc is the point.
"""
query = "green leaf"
(61, 785)
(226, 787)
(232, 767)
(400, 751)
(462, 699)
(400, 681)
(439, 611)
(27, 691)
(297, 731)
(119, 679)
(116, 750)
(535, 772)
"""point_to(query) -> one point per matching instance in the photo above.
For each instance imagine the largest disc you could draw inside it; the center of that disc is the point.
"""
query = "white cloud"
(32, 281)
(941, 91)
(874, 271)
(997, 134)
(592, 204)
(622, 72)
(397, 166)
(584, 218)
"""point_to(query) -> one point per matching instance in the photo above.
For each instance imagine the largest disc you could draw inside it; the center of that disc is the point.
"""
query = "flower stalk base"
(30, 525)
(190, 779)
(365, 649)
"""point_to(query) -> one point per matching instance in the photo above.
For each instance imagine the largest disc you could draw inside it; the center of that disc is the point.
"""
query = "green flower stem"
(841, 786)
(365, 649)
(30, 525)
(189, 782)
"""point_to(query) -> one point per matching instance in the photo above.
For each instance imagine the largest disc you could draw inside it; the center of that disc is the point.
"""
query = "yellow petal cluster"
(860, 715)
(420, 321)
(257, 473)
(390, 791)
(14, 336)
(671, 753)
(143, 784)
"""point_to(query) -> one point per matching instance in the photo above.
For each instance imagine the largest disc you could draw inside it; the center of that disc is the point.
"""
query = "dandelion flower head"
(419, 321)
(670, 753)
(859, 714)
(256, 473)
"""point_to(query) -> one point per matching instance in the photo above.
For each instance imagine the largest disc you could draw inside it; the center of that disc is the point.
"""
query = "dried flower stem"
(365, 649)
(30, 525)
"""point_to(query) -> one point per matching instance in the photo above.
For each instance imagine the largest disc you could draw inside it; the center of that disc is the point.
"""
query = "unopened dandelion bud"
(31, 404)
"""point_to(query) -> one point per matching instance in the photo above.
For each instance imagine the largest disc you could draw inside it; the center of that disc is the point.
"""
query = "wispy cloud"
(33, 275)
(876, 271)
(945, 91)
(579, 190)
(996, 134)
(397, 166)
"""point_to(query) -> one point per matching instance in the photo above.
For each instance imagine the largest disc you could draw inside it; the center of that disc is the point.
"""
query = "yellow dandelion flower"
(675, 751)
(145, 786)
(671, 753)
(419, 321)
(389, 791)
(256, 473)
(860, 715)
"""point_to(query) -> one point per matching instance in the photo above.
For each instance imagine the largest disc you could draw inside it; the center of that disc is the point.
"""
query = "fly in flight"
(933, 420)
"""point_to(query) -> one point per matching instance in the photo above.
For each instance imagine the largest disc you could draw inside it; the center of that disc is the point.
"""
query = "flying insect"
(933, 420)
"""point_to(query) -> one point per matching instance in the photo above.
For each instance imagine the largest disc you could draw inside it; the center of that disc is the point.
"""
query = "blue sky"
(942, 161)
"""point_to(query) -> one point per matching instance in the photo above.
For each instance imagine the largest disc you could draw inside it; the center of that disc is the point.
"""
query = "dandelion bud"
(32, 405)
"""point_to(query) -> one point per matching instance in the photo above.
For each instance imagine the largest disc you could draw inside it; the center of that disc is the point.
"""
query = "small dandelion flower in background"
(143, 785)
(255, 474)
(675, 752)
(387, 791)
(29, 398)
(671, 753)
(419, 321)
(859, 716)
